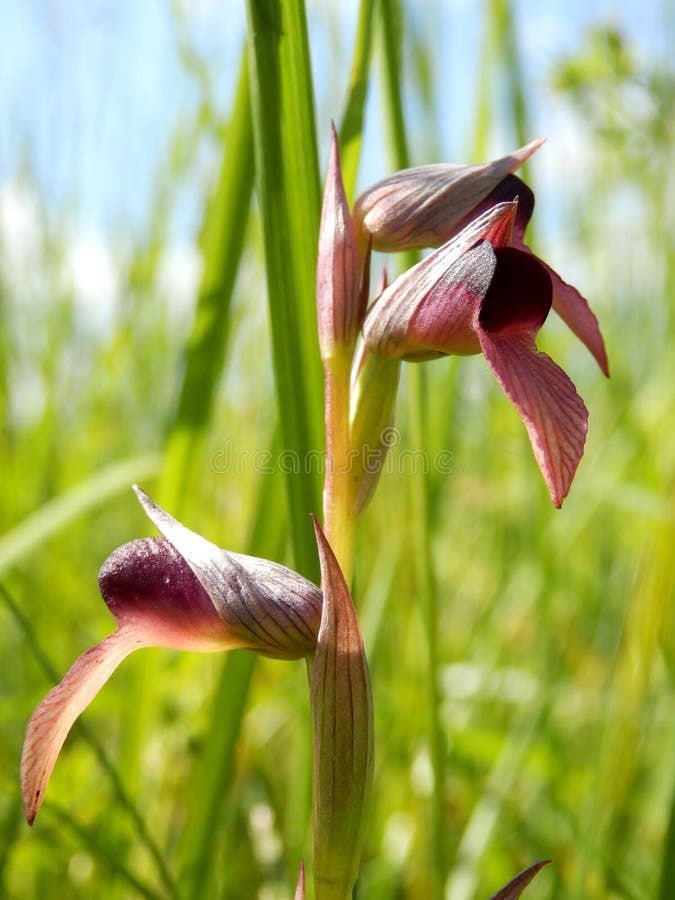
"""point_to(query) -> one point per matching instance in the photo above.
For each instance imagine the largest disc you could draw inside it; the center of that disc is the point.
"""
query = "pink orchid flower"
(178, 591)
(479, 294)
(426, 206)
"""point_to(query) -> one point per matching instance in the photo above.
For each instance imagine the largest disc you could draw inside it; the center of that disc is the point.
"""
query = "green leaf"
(289, 195)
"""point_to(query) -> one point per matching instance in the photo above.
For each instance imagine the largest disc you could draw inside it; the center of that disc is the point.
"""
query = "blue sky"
(91, 92)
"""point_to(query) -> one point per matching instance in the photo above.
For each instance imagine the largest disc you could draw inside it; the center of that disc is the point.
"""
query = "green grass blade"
(351, 126)
(57, 514)
(205, 351)
(204, 358)
(419, 526)
(668, 855)
(107, 856)
(213, 772)
(289, 195)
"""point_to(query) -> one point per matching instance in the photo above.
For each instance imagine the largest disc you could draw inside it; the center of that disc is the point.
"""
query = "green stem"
(427, 597)
(338, 494)
(391, 32)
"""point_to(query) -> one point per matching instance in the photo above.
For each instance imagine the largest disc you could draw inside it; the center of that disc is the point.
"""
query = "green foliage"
(548, 681)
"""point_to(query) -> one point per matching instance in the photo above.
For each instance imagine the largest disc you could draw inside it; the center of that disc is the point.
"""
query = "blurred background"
(557, 635)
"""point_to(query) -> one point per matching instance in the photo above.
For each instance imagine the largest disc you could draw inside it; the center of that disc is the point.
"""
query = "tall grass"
(522, 658)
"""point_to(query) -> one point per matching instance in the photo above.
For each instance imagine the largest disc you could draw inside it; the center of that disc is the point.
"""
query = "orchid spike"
(179, 591)
(477, 294)
(517, 885)
(341, 303)
(342, 714)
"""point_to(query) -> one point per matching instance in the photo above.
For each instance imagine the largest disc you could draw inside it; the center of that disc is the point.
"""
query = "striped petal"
(553, 413)
(427, 205)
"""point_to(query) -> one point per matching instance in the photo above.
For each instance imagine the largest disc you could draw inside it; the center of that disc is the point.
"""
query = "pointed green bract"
(342, 715)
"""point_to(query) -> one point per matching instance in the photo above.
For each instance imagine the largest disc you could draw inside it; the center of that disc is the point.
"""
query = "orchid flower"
(178, 591)
(478, 294)
(427, 206)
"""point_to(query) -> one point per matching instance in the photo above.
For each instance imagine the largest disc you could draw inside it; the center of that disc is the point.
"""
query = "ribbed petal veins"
(264, 606)
(342, 716)
(569, 304)
(49, 725)
(427, 205)
(554, 414)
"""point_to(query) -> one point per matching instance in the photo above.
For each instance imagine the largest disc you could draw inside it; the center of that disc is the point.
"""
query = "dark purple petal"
(511, 188)
(264, 606)
(519, 296)
(442, 322)
(574, 310)
(149, 587)
(430, 309)
(552, 411)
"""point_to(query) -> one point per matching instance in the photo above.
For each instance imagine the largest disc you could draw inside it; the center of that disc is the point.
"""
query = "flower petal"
(426, 206)
(265, 606)
(574, 310)
(51, 721)
(429, 310)
(148, 585)
(340, 305)
(554, 414)
(518, 299)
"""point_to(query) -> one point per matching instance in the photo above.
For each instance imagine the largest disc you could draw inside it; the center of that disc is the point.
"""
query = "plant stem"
(427, 596)
(338, 494)
(391, 24)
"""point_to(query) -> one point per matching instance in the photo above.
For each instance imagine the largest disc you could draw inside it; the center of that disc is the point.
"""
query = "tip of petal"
(519, 157)
(53, 718)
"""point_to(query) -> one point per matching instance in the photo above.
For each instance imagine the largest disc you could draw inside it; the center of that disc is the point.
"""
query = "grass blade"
(351, 126)
(58, 513)
(289, 195)
(205, 351)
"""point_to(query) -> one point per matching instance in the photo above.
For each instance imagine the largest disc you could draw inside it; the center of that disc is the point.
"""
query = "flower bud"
(340, 302)
(342, 715)
(425, 206)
